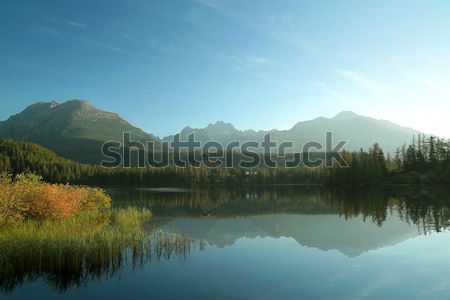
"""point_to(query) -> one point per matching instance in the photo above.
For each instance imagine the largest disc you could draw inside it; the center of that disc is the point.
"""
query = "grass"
(71, 250)
(90, 245)
(168, 245)
(69, 234)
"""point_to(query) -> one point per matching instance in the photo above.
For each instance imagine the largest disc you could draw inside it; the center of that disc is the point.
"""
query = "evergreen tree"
(432, 154)
(410, 161)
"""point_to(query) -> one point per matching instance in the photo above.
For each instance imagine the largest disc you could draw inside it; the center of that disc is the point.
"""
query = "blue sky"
(261, 64)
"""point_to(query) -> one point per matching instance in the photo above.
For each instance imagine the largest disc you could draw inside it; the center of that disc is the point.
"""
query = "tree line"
(424, 160)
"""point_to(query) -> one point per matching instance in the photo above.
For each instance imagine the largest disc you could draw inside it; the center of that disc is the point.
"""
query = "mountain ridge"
(360, 131)
(75, 129)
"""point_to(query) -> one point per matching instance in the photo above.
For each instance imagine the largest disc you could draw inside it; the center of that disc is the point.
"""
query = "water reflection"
(186, 222)
(66, 267)
(428, 209)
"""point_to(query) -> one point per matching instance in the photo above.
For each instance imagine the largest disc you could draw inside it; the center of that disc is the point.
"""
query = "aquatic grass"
(69, 234)
(168, 244)
(89, 245)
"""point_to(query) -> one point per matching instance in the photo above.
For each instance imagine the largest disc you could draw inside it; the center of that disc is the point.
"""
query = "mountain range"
(359, 131)
(75, 129)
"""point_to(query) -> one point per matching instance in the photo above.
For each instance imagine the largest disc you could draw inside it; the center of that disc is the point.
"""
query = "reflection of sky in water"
(351, 237)
(281, 255)
(417, 268)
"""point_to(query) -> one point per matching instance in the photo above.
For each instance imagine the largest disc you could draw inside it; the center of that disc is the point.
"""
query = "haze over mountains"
(75, 129)
(359, 131)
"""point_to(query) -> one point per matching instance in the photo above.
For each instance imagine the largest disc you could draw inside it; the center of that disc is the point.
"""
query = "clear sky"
(258, 64)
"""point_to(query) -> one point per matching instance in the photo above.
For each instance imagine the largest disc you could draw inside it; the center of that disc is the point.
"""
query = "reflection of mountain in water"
(351, 221)
(326, 232)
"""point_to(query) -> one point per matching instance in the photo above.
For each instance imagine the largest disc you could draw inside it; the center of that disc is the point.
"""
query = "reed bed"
(69, 234)
(71, 250)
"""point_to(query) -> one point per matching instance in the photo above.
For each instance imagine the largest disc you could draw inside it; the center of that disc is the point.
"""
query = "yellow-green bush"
(27, 197)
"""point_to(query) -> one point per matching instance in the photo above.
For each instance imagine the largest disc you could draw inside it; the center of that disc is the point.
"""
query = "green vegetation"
(88, 244)
(426, 160)
(427, 207)
(74, 250)
(26, 197)
(68, 234)
(73, 129)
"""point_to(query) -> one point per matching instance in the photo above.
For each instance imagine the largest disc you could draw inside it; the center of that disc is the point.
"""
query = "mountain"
(73, 129)
(221, 132)
(359, 131)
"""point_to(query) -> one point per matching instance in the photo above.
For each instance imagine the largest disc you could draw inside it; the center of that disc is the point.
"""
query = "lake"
(280, 242)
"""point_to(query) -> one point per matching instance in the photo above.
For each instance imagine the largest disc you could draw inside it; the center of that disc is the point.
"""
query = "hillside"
(74, 129)
(22, 157)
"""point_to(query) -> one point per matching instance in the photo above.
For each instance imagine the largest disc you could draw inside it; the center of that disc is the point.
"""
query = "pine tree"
(432, 155)
(410, 161)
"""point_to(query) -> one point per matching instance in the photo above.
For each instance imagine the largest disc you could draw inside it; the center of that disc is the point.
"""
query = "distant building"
(53, 104)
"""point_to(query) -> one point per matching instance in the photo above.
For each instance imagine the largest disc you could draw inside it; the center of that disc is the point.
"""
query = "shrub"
(27, 197)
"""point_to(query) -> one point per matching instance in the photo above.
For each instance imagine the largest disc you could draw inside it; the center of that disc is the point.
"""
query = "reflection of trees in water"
(227, 202)
(66, 268)
(428, 210)
(368, 204)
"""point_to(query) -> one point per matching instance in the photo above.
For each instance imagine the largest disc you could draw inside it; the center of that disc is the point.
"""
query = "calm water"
(278, 242)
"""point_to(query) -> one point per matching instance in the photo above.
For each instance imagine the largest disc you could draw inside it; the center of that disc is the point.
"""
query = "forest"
(426, 160)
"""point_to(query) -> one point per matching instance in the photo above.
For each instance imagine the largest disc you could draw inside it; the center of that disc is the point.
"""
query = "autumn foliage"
(27, 197)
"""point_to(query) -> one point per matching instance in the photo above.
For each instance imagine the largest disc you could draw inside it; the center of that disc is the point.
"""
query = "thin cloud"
(76, 24)
(243, 63)
(284, 27)
(216, 4)
(324, 88)
(258, 60)
(105, 46)
(49, 31)
(363, 82)
(70, 23)
(237, 61)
